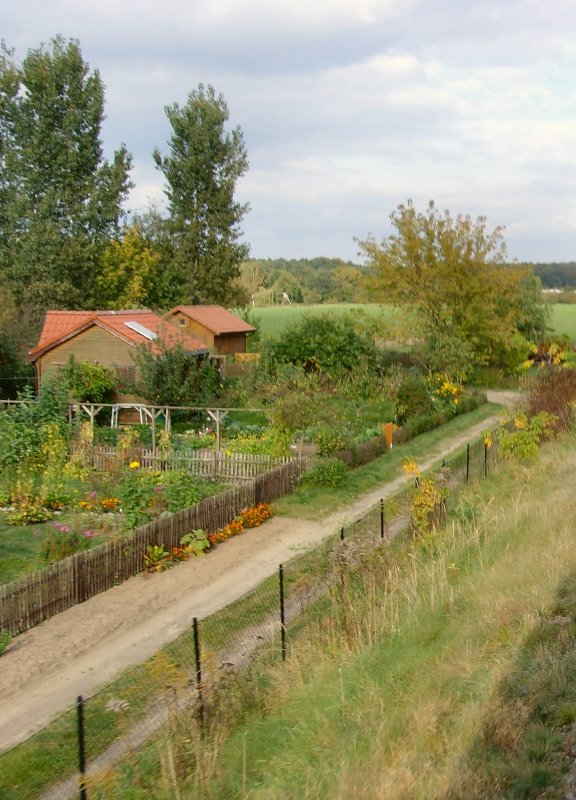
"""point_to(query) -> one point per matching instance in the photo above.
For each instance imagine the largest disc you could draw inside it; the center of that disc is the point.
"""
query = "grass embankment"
(50, 755)
(446, 669)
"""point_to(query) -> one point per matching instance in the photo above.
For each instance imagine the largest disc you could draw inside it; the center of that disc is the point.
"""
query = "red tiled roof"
(61, 325)
(216, 319)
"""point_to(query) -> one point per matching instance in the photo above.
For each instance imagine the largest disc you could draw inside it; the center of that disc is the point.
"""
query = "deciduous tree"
(60, 200)
(201, 170)
(454, 272)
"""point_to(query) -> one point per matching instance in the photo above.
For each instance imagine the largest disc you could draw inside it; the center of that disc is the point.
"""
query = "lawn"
(274, 319)
(563, 320)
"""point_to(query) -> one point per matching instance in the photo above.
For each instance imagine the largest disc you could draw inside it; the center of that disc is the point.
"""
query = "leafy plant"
(428, 507)
(156, 558)
(27, 514)
(195, 542)
(88, 382)
(327, 472)
(520, 438)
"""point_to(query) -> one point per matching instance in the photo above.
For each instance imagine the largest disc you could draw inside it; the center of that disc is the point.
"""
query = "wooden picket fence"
(32, 599)
(215, 464)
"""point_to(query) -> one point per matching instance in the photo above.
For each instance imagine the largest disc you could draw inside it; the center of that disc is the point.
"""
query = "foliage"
(16, 374)
(413, 397)
(554, 391)
(250, 517)
(180, 490)
(453, 271)
(32, 432)
(64, 541)
(519, 440)
(326, 472)
(324, 344)
(195, 543)
(202, 168)
(130, 271)
(428, 508)
(60, 201)
(328, 440)
(170, 376)
(28, 513)
(5, 640)
(88, 382)
(306, 280)
(156, 558)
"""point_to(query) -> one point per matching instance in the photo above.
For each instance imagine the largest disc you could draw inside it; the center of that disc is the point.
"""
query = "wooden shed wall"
(194, 329)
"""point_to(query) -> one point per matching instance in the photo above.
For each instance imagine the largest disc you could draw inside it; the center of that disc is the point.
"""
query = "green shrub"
(28, 514)
(520, 439)
(327, 472)
(329, 440)
(413, 398)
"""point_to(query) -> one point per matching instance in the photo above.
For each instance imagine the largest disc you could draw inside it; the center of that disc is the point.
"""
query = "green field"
(563, 319)
(274, 319)
(395, 322)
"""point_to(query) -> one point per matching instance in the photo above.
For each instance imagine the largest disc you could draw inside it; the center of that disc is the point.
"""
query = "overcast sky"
(348, 107)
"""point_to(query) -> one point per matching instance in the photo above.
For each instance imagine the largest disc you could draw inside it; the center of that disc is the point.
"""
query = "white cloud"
(349, 108)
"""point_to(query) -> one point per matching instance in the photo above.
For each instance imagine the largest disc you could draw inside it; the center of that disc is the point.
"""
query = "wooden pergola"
(151, 414)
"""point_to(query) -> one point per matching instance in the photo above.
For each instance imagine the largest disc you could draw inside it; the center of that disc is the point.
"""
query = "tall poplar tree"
(60, 200)
(201, 170)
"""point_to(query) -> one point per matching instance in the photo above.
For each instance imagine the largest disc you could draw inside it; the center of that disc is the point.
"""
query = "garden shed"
(220, 330)
(108, 338)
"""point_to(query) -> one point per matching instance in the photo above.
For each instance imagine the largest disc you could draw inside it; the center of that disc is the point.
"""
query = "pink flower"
(88, 534)
(93, 495)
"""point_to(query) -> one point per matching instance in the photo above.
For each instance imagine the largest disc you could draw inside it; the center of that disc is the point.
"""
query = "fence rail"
(215, 464)
(32, 599)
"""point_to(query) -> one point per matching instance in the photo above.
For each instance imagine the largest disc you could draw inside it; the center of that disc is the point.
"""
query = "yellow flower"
(134, 464)
(411, 468)
(488, 440)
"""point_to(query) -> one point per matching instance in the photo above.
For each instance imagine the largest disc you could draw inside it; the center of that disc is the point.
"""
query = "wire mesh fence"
(108, 740)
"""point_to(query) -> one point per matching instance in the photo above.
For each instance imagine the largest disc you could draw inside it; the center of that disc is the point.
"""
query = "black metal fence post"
(485, 459)
(198, 669)
(342, 534)
(382, 518)
(282, 612)
(81, 747)
(467, 463)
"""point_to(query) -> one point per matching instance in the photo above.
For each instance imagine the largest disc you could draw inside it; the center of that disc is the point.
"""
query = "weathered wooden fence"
(32, 599)
(218, 464)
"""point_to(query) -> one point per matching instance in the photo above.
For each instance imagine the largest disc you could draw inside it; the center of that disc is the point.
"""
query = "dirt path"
(89, 645)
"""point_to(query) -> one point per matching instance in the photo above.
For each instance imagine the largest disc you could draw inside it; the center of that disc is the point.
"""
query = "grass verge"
(443, 668)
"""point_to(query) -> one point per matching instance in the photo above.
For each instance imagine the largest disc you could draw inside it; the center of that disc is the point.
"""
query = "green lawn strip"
(310, 503)
(412, 709)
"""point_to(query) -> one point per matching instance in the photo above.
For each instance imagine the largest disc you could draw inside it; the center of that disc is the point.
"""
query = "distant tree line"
(556, 275)
(304, 280)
